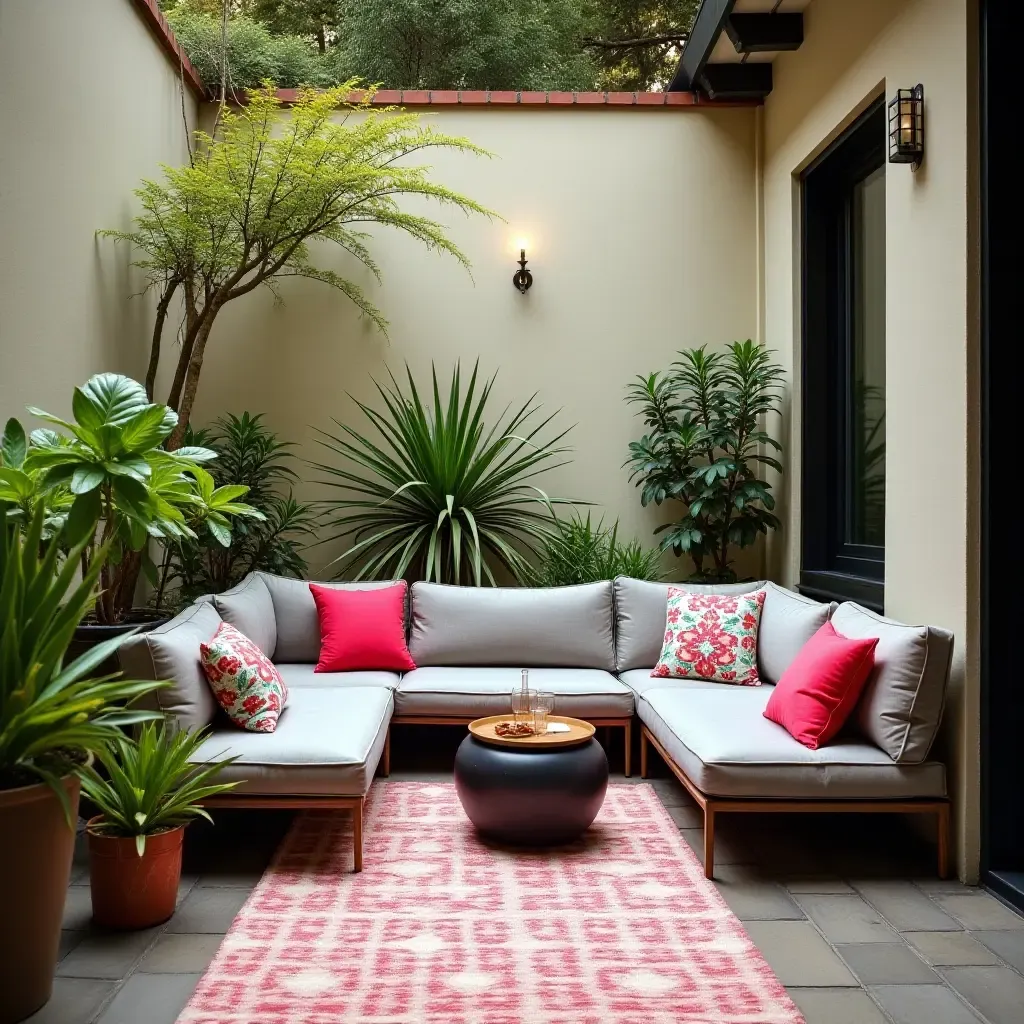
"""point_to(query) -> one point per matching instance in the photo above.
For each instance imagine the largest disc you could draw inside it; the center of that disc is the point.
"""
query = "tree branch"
(638, 43)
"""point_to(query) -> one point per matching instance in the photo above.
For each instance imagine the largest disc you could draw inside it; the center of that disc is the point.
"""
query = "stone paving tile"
(887, 963)
(77, 908)
(953, 949)
(208, 910)
(180, 954)
(68, 941)
(74, 1001)
(979, 911)
(759, 901)
(229, 879)
(905, 907)
(686, 815)
(940, 885)
(1008, 944)
(837, 1006)
(107, 954)
(845, 918)
(997, 992)
(799, 955)
(726, 851)
(150, 999)
(826, 885)
(923, 1004)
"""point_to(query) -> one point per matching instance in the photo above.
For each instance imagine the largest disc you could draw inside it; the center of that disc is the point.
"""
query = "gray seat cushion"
(559, 627)
(302, 675)
(640, 609)
(901, 706)
(249, 608)
(476, 692)
(727, 748)
(171, 652)
(327, 743)
(640, 680)
(298, 625)
(788, 621)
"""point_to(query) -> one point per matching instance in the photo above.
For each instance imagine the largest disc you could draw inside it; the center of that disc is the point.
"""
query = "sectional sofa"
(593, 646)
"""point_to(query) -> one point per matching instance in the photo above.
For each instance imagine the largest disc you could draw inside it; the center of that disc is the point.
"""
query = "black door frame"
(1002, 703)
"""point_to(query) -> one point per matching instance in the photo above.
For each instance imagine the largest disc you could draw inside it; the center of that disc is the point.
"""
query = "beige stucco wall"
(642, 240)
(853, 53)
(89, 105)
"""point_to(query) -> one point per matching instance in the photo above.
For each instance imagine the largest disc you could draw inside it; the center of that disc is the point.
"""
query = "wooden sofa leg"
(357, 835)
(643, 753)
(709, 842)
(942, 827)
(628, 767)
(385, 761)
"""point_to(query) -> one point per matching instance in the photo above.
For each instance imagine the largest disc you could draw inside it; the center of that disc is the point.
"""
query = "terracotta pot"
(129, 891)
(36, 847)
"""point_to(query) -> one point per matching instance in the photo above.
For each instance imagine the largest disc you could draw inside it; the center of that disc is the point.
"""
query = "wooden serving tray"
(579, 732)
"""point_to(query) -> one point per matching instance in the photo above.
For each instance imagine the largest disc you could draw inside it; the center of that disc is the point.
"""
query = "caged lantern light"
(906, 127)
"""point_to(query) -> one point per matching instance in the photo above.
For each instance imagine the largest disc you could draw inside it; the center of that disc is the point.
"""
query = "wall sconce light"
(906, 127)
(522, 278)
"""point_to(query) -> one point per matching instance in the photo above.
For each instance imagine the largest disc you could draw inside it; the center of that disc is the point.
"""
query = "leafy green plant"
(251, 454)
(704, 447)
(441, 495)
(113, 462)
(580, 551)
(260, 188)
(150, 783)
(53, 715)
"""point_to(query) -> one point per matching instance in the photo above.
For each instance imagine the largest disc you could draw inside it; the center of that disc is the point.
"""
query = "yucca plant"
(53, 715)
(441, 495)
(581, 551)
(150, 783)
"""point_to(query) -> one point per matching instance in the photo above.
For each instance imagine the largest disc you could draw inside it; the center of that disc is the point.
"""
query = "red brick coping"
(150, 12)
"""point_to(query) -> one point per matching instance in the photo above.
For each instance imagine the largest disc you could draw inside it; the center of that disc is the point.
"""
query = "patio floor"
(846, 909)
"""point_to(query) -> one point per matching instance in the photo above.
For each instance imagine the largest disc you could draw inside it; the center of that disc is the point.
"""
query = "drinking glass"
(543, 706)
(522, 706)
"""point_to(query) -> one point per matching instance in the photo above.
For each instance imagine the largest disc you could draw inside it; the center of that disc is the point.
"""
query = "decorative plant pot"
(35, 864)
(129, 891)
(89, 634)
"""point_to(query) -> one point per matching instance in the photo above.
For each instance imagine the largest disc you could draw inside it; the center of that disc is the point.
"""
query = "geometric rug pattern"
(441, 927)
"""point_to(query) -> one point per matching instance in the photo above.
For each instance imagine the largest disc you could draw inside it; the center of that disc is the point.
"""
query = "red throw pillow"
(362, 630)
(818, 691)
(243, 679)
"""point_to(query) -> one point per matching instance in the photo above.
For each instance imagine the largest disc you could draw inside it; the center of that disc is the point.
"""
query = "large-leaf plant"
(705, 447)
(52, 714)
(439, 494)
(110, 467)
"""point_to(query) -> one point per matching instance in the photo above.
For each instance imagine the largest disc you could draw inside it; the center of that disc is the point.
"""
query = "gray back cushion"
(788, 621)
(249, 608)
(298, 625)
(901, 706)
(171, 652)
(640, 610)
(568, 627)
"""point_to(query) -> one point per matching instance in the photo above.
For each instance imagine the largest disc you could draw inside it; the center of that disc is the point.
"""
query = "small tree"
(263, 186)
(705, 444)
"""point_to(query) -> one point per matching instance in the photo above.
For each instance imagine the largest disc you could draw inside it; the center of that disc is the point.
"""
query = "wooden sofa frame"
(712, 806)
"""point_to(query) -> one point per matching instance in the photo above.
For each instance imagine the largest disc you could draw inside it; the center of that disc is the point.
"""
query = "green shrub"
(581, 552)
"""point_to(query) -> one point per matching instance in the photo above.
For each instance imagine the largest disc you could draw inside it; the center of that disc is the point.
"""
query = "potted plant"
(149, 792)
(53, 716)
(705, 449)
(110, 466)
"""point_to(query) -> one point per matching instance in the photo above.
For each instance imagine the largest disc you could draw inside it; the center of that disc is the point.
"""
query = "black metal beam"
(707, 27)
(736, 81)
(765, 33)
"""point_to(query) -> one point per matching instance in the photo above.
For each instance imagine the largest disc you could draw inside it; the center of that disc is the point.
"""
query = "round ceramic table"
(536, 791)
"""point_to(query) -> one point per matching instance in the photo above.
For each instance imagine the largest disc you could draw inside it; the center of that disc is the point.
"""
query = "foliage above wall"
(438, 44)
(705, 445)
(260, 189)
(440, 493)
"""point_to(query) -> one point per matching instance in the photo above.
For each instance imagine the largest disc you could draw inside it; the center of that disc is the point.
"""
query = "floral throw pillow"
(711, 636)
(243, 679)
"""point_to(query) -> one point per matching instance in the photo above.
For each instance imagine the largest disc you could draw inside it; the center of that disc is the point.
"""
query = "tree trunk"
(193, 320)
(158, 329)
(191, 384)
(126, 582)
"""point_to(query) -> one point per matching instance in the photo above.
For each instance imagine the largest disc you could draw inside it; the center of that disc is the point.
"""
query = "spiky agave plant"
(151, 784)
(441, 496)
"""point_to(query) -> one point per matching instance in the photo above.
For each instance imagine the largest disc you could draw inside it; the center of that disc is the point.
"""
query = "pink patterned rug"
(441, 928)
